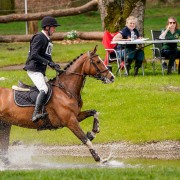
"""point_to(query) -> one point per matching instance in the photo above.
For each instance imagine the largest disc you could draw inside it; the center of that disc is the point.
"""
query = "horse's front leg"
(4, 141)
(85, 114)
(76, 129)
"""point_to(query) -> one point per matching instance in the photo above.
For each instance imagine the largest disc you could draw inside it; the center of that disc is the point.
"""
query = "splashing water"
(31, 157)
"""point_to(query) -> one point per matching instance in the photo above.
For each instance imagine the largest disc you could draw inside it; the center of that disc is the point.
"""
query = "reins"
(98, 76)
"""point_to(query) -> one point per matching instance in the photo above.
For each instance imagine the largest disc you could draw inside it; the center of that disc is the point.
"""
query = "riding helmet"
(49, 21)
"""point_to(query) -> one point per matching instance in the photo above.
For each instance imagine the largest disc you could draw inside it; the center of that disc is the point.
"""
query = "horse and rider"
(58, 103)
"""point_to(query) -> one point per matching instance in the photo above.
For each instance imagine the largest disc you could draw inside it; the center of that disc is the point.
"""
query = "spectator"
(170, 50)
(132, 52)
(38, 58)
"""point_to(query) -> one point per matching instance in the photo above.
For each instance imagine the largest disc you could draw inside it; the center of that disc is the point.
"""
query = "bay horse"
(64, 106)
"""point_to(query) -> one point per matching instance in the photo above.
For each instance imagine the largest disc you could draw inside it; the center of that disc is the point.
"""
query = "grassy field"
(169, 173)
(137, 110)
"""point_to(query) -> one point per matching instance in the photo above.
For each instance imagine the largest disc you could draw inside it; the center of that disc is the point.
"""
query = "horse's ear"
(95, 49)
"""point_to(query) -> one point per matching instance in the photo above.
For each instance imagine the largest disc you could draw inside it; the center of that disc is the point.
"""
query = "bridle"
(99, 75)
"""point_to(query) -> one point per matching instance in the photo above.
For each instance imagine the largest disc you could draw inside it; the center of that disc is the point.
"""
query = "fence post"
(32, 27)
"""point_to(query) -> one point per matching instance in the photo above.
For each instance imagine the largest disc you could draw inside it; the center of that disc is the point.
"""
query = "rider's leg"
(40, 82)
(38, 107)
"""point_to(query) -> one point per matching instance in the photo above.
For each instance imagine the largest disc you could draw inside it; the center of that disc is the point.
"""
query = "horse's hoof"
(95, 155)
(104, 161)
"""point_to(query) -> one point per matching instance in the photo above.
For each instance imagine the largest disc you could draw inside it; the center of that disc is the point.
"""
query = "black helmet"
(49, 21)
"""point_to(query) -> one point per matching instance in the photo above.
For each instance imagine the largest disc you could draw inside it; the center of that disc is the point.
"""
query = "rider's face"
(52, 30)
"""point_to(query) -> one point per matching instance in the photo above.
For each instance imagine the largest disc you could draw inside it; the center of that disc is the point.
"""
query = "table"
(141, 41)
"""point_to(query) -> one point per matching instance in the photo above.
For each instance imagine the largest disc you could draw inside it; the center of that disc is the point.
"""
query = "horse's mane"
(70, 63)
(67, 66)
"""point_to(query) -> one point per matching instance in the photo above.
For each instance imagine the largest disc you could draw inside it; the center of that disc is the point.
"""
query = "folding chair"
(111, 53)
(156, 51)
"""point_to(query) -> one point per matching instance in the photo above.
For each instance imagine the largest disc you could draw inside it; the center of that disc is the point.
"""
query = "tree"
(115, 12)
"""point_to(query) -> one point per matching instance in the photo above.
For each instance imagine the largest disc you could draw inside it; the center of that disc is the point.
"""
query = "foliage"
(72, 35)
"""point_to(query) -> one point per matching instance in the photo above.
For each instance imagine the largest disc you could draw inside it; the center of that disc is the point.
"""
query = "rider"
(38, 58)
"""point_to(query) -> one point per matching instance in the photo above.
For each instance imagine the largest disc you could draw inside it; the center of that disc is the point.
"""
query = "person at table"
(170, 50)
(131, 51)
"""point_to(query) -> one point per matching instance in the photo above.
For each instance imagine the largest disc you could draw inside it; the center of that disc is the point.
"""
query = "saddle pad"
(28, 98)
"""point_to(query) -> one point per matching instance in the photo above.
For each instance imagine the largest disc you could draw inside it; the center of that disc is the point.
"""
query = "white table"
(123, 43)
(139, 41)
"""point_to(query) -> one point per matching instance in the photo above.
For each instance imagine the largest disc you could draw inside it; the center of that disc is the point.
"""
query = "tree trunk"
(139, 12)
(115, 12)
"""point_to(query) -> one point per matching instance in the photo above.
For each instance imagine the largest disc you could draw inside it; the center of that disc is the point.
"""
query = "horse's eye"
(98, 62)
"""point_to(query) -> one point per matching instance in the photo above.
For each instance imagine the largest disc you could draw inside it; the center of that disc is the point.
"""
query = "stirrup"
(39, 116)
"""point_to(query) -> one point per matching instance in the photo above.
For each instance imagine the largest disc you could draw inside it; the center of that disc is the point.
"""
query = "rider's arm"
(37, 50)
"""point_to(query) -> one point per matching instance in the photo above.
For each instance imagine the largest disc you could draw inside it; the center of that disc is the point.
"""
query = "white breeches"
(39, 80)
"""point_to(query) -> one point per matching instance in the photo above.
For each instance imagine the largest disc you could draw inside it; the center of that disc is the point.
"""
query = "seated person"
(170, 50)
(131, 51)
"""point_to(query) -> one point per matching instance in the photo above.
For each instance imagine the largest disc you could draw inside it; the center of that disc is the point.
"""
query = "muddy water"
(30, 158)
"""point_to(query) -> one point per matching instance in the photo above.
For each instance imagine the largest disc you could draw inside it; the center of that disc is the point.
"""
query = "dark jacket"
(39, 54)
(126, 33)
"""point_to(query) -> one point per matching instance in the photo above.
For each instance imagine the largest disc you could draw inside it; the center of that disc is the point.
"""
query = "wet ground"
(122, 155)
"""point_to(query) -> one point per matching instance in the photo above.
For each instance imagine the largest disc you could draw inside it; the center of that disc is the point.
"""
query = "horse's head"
(96, 68)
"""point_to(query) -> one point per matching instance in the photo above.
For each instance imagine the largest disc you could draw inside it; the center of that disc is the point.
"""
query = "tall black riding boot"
(39, 103)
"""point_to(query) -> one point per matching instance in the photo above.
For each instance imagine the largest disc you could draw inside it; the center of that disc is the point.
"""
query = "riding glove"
(53, 65)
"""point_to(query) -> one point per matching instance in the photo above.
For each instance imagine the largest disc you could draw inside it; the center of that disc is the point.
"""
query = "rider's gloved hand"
(53, 65)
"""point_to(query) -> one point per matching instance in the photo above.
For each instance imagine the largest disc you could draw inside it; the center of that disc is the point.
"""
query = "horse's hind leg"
(4, 141)
(85, 114)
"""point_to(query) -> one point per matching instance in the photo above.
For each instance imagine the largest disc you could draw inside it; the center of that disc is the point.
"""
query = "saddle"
(25, 95)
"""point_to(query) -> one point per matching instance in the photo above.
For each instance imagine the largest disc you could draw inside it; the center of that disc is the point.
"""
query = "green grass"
(137, 110)
(161, 172)
(16, 53)
(156, 18)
